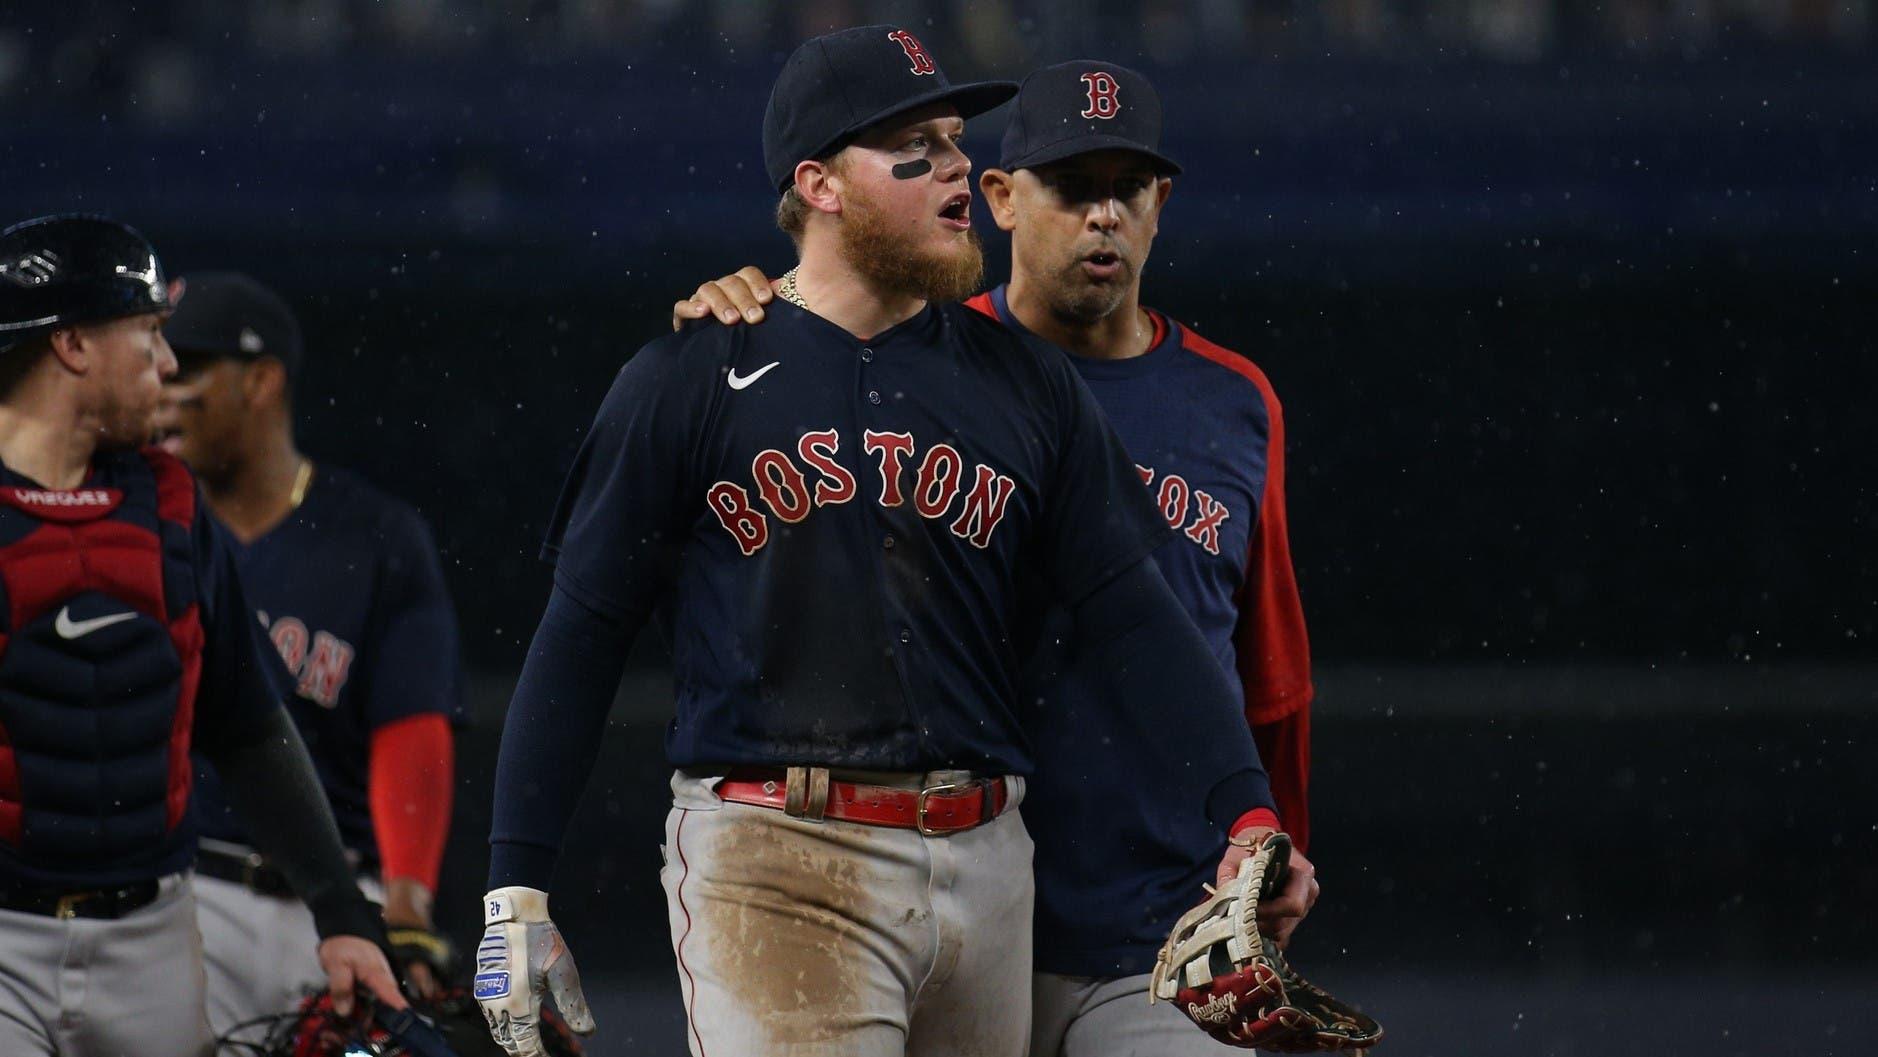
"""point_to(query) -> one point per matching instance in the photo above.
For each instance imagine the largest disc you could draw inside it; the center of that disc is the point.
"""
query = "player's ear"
(817, 184)
(1163, 188)
(264, 382)
(998, 186)
(69, 346)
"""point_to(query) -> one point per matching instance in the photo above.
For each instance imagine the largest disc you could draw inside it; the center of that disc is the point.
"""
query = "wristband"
(1258, 817)
(515, 904)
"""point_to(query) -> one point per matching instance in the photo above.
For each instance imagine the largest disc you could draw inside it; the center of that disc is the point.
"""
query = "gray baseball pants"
(1082, 1016)
(261, 952)
(834, 939)
(129, 987)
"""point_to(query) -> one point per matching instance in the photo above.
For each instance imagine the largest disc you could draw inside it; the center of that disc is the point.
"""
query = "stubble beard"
(1081, 302)
(880, 253)
(126, 421)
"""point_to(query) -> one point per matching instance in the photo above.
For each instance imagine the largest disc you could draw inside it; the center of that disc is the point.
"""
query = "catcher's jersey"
(1205, 433)
(835, 528)
(350, 590)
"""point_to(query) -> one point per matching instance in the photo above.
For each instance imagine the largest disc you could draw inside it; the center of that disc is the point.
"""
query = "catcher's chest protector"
(100, 656)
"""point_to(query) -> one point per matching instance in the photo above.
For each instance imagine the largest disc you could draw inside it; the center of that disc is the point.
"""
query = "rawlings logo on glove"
(1236, 985)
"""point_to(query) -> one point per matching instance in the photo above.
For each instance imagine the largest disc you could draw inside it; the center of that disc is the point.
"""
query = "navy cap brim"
(970, 100)
(193, 328)
(1069, 148)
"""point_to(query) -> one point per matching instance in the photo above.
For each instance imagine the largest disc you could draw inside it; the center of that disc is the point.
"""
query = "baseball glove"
(1235, 984)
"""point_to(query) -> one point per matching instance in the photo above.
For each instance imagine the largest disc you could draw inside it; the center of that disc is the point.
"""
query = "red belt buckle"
(986, 805)
(919, 807)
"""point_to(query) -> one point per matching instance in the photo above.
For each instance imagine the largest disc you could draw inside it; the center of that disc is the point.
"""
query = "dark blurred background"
(1571, 306)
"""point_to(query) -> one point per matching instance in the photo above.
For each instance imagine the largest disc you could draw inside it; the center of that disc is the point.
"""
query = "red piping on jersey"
(982, 304)
(1272, 647)
(1270, 695)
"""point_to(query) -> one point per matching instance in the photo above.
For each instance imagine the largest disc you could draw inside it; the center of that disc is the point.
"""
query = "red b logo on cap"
(922, 63)
(1102, 95)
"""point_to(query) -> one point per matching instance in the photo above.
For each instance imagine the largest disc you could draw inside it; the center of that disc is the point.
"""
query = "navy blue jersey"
(351, 592)
(834, 530)
(126, 639)
(1118, 862)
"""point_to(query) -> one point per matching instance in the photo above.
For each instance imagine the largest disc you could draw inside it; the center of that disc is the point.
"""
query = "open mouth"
(1102, 264)
(170, 439)
(957, 213)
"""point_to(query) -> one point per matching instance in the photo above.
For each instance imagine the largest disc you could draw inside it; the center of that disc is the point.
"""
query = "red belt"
(935, 811)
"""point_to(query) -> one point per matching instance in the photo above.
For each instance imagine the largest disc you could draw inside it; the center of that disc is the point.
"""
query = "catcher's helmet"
(74, 268)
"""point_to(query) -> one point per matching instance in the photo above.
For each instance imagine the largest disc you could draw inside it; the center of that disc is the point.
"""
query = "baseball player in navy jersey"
(346, 582)
(833, 515)
(1080, 187)
(125, 642)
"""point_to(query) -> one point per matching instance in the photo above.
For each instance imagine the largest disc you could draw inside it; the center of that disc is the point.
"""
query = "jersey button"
(873, 396)
(888, 541)
(867, 355)
(905, 635)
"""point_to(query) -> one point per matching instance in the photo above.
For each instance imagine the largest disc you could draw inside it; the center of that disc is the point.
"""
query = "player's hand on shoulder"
(737, 297)
(1279, 917)
(521, 958)
(353, 962)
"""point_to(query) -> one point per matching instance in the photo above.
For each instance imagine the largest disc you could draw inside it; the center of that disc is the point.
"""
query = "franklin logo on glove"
(521, 959)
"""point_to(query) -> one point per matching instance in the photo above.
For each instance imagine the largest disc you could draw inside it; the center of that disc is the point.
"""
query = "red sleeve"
(1274, 653)
(1285, 749)
(413, 768)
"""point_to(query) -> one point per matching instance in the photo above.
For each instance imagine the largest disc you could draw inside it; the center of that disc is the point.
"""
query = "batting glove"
(521, 957)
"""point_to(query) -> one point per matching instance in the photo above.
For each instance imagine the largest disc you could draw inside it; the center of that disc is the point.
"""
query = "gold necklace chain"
(786, 289)
(301, 479)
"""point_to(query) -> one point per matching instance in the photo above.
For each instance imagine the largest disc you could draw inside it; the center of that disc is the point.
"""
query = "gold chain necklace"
(301, 478)
(786, 289)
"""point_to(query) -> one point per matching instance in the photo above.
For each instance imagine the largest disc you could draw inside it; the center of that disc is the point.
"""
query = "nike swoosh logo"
(78, 629)
(745, 381)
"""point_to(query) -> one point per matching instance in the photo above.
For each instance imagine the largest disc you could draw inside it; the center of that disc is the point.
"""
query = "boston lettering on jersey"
(937, 483)
(1171, 497)
(320, 663)
(837, 534)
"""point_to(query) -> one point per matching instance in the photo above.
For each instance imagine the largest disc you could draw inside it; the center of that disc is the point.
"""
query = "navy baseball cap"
(1082, 106)
(231, 314)
(834, 87)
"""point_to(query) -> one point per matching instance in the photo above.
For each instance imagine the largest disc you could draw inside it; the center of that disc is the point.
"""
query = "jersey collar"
(918, 327)
(1167, 339)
